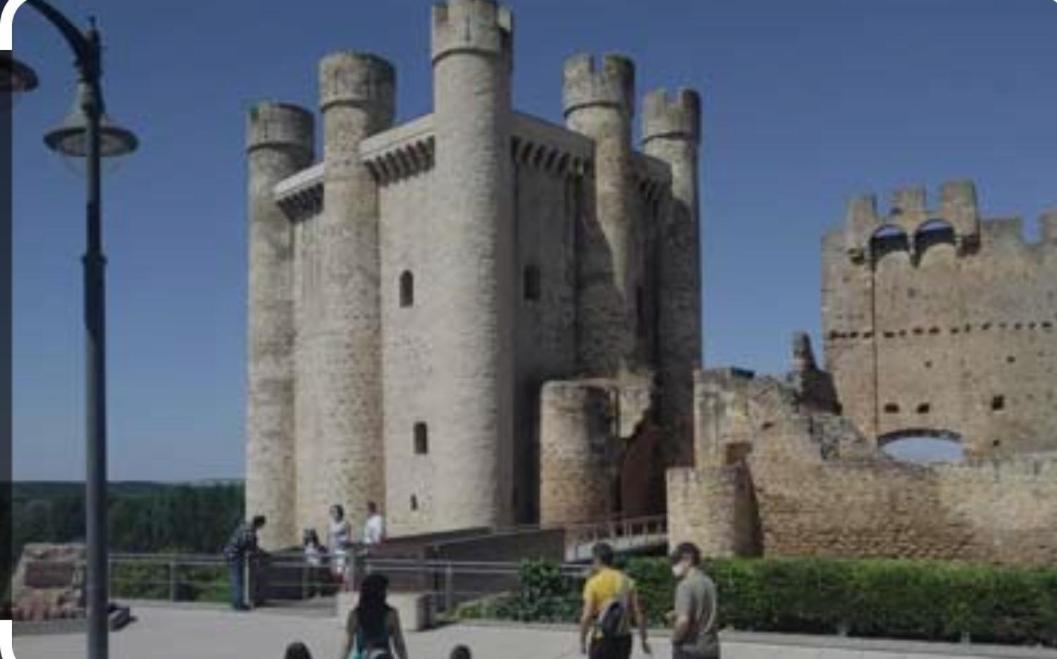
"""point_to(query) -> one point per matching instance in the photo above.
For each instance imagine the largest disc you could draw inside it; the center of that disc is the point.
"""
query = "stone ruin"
(49, 583)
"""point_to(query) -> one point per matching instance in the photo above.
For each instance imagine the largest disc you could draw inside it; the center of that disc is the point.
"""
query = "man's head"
(602, 553)
(372, 508)
(258, 521)
(337, 513)
(685, 557)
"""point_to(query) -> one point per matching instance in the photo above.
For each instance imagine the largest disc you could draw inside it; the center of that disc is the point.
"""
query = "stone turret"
(671, 131)
(279, 143)
(339, 342)
(599, 102)
(469, 290)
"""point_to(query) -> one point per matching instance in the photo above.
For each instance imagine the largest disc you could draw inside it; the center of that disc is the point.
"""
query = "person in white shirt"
(339, 540)
(374, 527)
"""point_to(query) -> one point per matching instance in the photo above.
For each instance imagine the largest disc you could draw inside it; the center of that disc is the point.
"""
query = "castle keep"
(413, 292)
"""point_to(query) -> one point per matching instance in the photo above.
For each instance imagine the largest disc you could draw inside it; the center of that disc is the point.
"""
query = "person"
(374, 527)
(460, 652)
(242, 545)
(373, 627)
(315, 555)
(297, 651)
(694, 618)
(339, 539)
(611, 606)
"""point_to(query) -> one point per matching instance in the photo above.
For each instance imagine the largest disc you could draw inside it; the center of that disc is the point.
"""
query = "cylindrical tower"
(578, 452)
(339, 343)
(600, 103)
(469, 288)
(671, 131)
(279, 141)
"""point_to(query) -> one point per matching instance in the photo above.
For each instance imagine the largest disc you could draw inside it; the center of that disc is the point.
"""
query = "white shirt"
(374, 530)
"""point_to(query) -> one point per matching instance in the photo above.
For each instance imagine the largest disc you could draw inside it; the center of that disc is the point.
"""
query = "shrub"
(927, 600)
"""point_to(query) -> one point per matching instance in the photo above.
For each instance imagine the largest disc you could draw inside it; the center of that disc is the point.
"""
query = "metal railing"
(623, 534)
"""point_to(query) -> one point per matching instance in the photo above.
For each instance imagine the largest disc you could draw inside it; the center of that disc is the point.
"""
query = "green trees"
(144, 517)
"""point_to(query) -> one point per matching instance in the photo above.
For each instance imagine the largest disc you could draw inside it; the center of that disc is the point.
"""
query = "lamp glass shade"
(15, 76)
(70, 137)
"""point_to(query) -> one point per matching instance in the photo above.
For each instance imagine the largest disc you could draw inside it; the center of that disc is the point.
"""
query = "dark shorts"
(610, 648)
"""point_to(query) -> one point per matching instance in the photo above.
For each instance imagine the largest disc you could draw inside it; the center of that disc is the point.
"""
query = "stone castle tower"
(413, 293)
(939, 322)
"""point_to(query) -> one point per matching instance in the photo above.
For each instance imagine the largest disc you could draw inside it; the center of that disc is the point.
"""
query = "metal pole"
(95, 372)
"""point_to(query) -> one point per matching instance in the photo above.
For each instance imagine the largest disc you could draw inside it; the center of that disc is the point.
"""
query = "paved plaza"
(175, 632)
(181, 633)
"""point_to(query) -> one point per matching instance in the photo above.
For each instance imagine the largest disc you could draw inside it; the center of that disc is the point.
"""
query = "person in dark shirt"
(242, 545)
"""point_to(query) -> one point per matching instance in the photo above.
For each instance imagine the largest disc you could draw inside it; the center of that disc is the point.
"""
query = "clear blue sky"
(806, 103)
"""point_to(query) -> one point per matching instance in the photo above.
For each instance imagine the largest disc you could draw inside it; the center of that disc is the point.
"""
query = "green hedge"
(875, 598)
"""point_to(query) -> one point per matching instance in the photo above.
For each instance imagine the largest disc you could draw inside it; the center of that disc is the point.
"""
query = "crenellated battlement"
(477, 26)
(909, 220)
(675, 116)
(585, 83)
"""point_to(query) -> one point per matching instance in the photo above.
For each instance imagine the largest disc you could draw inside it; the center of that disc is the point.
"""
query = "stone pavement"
(174, 632)
(183, 633)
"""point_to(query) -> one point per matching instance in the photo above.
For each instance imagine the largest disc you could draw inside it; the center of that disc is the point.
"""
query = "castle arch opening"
(887, 240)
(923, 445)
(932, 233)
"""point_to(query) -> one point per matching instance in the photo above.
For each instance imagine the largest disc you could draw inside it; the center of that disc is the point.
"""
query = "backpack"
(613, 616)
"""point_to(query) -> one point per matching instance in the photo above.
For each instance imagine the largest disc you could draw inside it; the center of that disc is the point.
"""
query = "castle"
(479, 318)
(443, 313)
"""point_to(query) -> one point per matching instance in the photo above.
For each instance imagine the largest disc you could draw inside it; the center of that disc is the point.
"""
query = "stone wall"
(815, 486)
(1002, 512)
(715, 508)
(937, 320)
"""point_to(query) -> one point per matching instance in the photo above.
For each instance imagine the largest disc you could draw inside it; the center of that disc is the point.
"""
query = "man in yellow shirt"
(611, 607)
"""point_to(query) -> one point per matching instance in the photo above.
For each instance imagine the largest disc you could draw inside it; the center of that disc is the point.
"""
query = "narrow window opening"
(407, 289)
(414, 502)
(531, 283)
(998, 403)
(1010, 359)
(924, 408)
(891, 408)
(421, 439)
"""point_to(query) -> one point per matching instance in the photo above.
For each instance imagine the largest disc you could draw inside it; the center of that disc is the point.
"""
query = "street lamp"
(87, 133)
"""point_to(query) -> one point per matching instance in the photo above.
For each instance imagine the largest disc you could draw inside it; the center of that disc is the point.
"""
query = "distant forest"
(143, 517)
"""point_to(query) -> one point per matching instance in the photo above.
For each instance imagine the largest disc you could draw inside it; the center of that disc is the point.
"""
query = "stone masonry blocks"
(279, 142)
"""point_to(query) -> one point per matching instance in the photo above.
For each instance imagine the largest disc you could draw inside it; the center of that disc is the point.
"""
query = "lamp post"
(87, 133)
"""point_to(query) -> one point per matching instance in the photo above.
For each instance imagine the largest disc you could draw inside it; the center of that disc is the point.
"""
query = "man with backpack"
(242, 545)
(611, 608)
(694, 618)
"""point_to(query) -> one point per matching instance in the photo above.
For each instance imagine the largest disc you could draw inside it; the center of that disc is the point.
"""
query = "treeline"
(143, 517)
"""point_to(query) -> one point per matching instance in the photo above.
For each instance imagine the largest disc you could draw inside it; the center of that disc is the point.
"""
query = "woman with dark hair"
(373, 627)
(297, 651)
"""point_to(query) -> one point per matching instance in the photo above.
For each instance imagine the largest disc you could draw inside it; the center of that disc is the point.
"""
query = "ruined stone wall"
(714, 508)
(947, 330)
(816, 486)
(1000, 511)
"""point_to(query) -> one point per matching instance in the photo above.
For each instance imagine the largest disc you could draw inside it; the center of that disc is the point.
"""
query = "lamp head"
(70, 137)
(15, 76)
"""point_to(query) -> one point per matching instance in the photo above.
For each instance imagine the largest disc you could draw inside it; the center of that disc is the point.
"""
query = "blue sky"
(806, 104)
